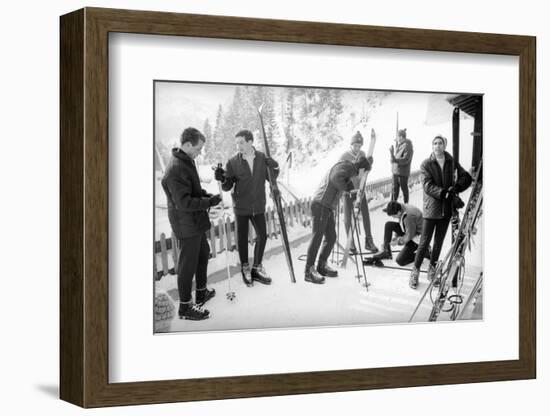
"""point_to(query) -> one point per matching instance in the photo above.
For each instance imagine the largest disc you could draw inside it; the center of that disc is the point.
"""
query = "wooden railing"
(297, 213)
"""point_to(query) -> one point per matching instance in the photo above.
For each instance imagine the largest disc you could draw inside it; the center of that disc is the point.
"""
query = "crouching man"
(407, 230)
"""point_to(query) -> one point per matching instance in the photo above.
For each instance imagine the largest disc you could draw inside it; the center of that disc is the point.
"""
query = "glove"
(271, 163)
(219, 174)
(215, 200)
(370, 160)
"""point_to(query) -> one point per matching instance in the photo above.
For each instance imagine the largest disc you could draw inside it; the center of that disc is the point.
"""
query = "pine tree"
(207, 151)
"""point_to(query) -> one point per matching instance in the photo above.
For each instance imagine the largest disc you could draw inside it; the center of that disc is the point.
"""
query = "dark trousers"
(407, 253)
(403, 183)
(258, 222)
(323, 226)
(193, 261)
(348, 210)
(428, 227)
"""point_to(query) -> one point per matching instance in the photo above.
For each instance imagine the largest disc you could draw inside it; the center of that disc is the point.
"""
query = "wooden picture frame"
(84, 207)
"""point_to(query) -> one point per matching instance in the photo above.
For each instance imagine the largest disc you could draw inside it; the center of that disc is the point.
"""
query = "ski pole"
(230, 293)
(359, 248)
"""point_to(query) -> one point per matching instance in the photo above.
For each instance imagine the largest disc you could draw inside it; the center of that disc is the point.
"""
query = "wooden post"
(163, 254)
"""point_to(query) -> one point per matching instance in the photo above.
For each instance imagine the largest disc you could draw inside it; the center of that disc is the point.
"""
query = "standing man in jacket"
(246, 174)
(401, 157)
(441, 187)
(353, 155)
(337, 181)
(188, 206)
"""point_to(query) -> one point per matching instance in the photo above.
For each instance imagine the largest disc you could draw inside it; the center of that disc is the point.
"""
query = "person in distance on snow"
(440, 197)
(353, 154)
(401, 157)
(337, 181)
(188, 206)
(246, 174)
(407, 229)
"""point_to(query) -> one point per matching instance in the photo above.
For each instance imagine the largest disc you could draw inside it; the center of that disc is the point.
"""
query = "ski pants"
(193, 261)
(403, 183)
(428, 226)
(407, 253)
(323, 226)
(259, 224)
(348, 212)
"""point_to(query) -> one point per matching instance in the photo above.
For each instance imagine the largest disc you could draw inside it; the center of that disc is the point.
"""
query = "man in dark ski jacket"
(441, 188)
(401, 157)
(337, 181)
(188, 206)
(246, 173)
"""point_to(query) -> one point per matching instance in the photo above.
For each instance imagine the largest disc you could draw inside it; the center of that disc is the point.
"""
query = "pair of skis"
(276, 196)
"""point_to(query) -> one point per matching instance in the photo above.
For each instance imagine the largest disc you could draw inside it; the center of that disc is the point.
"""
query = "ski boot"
(246, 273)
(312, 276)
(324, 270)
(193, 312)
(413, 279)
(259, 275)
(385, 254)
(204, 295)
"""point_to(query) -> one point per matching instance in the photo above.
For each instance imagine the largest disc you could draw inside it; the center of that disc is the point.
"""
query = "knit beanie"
(357, 138)
(439, 136)
(402, 133)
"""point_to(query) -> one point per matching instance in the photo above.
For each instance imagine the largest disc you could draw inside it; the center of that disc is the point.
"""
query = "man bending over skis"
(337, 181)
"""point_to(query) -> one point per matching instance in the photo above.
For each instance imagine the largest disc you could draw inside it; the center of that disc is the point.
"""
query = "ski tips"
(260, 108)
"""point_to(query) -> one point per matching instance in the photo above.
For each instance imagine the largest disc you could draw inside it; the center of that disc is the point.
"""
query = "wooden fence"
(297, 213)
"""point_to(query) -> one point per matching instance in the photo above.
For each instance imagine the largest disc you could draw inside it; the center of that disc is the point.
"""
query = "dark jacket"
(349, 155)
(403, 152)
(436, 181)
(249, 193)
(335, 182)
(188, 203)
(411, 223)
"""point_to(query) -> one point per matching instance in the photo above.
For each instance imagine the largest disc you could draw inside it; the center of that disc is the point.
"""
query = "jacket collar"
(241, 155)
(445, 153)
(181, 155)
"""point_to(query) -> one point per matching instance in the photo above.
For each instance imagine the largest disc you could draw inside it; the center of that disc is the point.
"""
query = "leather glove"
(215, 200)
(271, 163)
(219, 174)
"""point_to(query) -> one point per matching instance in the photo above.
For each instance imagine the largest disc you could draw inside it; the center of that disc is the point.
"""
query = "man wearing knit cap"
(401, 157)
(353, 155)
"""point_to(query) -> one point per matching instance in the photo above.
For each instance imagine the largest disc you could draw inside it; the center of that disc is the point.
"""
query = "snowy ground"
(340, 301)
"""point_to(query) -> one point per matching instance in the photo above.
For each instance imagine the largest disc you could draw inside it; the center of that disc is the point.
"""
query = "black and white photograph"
(281, 206)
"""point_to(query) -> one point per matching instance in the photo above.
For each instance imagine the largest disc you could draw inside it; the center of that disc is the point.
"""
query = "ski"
(276, 196)
(455, 219)
(448, 271)
(359, 196)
